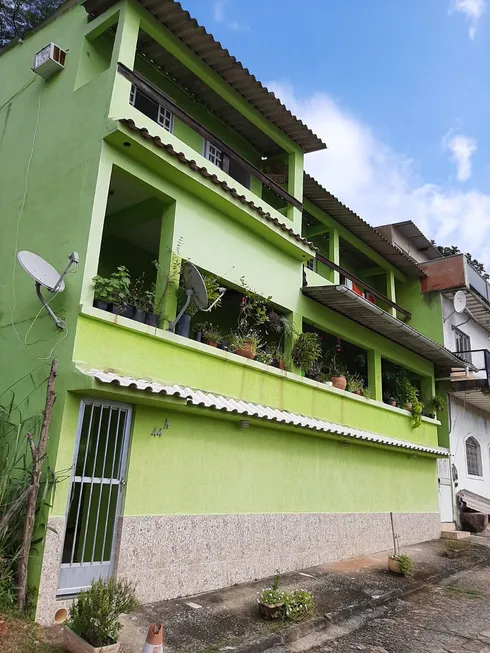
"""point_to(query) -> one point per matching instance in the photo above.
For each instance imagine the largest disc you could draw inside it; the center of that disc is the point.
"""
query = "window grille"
(473, 457)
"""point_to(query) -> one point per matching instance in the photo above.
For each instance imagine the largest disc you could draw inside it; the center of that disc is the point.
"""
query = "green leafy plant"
(298, 604)
(306, 350)
(407, 396)
(334, 366)
(138, 297)
(94, 614)
(282, 359)
(211, 333)
(417, 411)
(254, 312)
(264, 355)
(437, 404)
(458, 547)
(366, 392)
(271, 595)
(405, 562)
(238, 342)
(355, 382)
(113, 289)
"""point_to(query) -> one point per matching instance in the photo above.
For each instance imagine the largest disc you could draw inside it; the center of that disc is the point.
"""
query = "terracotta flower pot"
(339, 382)
(212, 343)
(281, 365)
(455, 553)
(409, 406)
(73, 643)
(394, 566)
(271, 612)
(392, 402)
(248, 350)
(357, 392)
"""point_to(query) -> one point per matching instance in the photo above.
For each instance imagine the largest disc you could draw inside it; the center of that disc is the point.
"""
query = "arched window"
(473, 457)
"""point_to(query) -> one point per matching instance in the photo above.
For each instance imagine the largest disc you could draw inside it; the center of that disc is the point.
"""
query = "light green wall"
(426, 309)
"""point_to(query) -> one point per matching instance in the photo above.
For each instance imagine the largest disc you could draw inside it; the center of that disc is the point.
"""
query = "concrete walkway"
(227, 619)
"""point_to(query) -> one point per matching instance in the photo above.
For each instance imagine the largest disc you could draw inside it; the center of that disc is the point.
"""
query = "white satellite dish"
(46, 276)
(196, 292)
(459, 301)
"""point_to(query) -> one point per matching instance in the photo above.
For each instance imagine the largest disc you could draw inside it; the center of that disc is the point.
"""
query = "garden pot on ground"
(248, 350)
(339, 382)
(98, 303)
(139, 315)
(394, 566)
(151, 319)
(183, 327)
(271, 612)
(455, 553)
(73, 643)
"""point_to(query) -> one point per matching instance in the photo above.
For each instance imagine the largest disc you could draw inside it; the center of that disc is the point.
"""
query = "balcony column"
(428, 387)
(168, 275)
(125, 52)
(375, 379)
(295, 187)
(334, 254)
(390, 290)
(296, 321)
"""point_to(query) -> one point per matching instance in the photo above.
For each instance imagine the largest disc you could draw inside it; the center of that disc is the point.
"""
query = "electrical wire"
(18, 93)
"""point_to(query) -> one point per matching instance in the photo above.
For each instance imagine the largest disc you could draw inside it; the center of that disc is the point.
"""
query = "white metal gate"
(95, 494)
(445, 490)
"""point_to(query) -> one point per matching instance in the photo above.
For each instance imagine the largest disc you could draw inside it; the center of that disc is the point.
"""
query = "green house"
(137, 138)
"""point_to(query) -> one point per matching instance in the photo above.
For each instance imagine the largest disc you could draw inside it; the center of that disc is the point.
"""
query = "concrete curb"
(297, 631)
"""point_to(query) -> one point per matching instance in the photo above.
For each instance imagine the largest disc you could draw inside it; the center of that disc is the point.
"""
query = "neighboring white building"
(467, 333)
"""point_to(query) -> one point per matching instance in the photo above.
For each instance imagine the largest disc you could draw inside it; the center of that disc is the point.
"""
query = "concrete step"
(455, 535)
(448, 526)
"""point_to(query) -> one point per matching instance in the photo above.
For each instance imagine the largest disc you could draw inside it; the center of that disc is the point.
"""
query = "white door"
(95, 494)
(445, 489)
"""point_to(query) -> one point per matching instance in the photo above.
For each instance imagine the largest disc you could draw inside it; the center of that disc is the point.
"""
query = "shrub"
(298, 604)
(271, 595)
(406, 564)
(306, 350)
(94, 615)
(457, 545)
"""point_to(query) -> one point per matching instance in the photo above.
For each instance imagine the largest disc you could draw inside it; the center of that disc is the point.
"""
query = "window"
(310, 264)
(152, 109)
(473, 457)
(463, 345)
(231, 166)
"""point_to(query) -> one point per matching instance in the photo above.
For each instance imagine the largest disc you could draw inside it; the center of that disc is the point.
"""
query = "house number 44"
(158, 431)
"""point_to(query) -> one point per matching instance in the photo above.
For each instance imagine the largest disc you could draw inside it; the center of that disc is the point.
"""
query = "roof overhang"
(476, 305)
(474, 396)
(324, 200)
(173, 17)
(357, 308)
(208, 400)
(417, 239)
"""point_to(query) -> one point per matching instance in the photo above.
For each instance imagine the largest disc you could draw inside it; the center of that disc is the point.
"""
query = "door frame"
(84, 401)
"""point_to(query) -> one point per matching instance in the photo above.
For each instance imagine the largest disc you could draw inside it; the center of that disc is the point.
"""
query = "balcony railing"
(361, 287)
(164, 101)
(480, 377)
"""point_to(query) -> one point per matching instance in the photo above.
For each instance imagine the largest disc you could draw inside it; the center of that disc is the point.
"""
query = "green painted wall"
(426, 309)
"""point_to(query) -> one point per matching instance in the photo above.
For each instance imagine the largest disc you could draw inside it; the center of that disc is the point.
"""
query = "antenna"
(459, 304)
(46, 276)
(196, 293)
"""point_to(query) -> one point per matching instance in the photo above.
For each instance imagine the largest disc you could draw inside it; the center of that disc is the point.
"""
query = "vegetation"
(461, 546)
(296, 604)
(211, 333)
(113, 289)
(307, 350)
(452, 250)
(94, 614)
(355, 382)
(271, 595)
(437, 404)
(17, 17)
(334, 366)
(405, 562)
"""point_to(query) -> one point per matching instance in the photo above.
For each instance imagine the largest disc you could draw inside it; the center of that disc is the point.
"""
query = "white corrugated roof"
(230, 405)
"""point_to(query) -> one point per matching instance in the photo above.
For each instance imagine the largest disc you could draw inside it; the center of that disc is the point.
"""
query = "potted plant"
(366, 392)
(271, 601)
(138, 299)
(398, 563)
(93, 624)
(152, 317)
(264, 355)
(457, 548)
(281, 359)
(437, 404)
(336, 370)
(112, 292)
(211, 334)
(183, 326)
(253, 317)
(306, 350)
(298, 604)
(246, 346)
(355, 383)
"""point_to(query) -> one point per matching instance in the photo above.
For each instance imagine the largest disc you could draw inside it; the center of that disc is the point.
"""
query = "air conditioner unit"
(49, 60)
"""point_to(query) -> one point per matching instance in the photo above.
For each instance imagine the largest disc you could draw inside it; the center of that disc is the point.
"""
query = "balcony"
(473, 385)
(453, 273)
(368, 306)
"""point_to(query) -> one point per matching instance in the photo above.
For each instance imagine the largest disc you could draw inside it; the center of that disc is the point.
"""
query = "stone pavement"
(227, 620)
(452, 616)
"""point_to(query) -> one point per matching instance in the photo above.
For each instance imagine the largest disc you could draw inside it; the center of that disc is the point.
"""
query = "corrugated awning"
(417, 239)
(361, 310)
(322, 198)
(474, 397)
(474, 501)
(476, 305)
(208, 400)
(172, 16)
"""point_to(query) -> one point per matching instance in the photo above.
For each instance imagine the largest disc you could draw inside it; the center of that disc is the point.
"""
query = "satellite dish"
(46, 276)
(459, 301)
(195, 283)
(41, 271)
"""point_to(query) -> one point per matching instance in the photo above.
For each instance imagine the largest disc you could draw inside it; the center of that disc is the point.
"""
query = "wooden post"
(38, 452)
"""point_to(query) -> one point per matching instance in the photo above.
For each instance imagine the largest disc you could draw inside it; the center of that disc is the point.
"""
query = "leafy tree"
(18, 17)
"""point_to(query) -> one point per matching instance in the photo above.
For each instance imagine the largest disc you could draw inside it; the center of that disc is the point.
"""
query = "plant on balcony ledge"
(245, 346)
(408, 397)
(355, 383)
(307, 350)
(212, 288)
(111, 293)
(336, 370)
(437, 405)
(211, 334)
(281, 360)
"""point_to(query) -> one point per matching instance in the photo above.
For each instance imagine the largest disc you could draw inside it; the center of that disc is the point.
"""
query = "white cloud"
(381, 185)
(473, 10)
(220, 15)
(462, 149)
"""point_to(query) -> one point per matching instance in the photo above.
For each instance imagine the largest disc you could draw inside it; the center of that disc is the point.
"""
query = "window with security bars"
(473, 457)
(160, 114)
(231, 166)
(463, 345)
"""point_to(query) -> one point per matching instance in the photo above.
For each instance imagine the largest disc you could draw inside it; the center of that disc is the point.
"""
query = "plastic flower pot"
(139, 315)
(247, 350)
(271, 612)
(183, 327)
(151, 319)
(339, 382)
(103, 306)
(73, 643)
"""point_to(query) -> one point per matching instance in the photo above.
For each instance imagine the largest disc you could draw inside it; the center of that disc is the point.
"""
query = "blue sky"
(399, 91)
